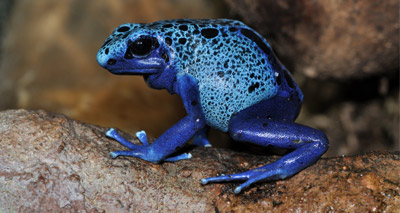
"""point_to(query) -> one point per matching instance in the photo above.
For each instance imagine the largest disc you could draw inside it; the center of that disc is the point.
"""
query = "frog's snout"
(103, 60)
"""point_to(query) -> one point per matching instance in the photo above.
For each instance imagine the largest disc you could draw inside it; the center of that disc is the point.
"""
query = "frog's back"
(234, 66)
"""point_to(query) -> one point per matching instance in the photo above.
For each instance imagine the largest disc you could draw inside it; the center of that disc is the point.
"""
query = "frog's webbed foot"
(265, 173)
(140, 151)
(112, 133)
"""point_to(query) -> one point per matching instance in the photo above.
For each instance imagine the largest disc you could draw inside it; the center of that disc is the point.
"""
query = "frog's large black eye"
(141, 46)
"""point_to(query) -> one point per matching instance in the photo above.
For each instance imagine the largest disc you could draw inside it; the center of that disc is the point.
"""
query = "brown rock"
(339, 39)
(49, 162)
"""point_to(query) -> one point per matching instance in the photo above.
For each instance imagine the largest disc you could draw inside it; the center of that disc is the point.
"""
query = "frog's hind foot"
(264, 173)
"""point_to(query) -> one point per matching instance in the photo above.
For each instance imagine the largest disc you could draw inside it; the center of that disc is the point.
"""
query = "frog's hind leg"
(308, 144)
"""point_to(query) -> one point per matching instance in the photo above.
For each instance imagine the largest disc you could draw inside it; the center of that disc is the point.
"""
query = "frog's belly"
(221, 97)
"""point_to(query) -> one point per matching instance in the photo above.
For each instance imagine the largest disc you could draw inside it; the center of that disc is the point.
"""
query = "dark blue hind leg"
(308, 144)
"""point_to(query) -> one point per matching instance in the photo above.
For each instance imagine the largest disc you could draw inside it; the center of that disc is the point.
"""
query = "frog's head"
(133, 49)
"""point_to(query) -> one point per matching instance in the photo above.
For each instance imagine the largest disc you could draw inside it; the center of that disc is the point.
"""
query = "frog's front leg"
(308, 144)
(176, 136)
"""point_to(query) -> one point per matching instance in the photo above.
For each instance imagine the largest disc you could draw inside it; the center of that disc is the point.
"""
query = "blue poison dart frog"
(228, 78)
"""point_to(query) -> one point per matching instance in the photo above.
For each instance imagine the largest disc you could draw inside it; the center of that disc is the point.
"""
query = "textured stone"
(49, 162)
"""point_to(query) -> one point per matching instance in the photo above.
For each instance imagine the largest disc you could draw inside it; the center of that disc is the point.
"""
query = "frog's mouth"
(134, 66)
(130, 66)
(143, 71)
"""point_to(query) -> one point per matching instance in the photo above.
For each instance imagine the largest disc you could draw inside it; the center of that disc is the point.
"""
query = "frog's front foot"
(141, 151)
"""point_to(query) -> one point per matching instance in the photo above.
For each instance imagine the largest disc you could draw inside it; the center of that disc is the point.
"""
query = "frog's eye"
(141, 46)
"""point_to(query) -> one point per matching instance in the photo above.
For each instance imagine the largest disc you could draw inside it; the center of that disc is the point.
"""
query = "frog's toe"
(132, 153)
(142, 136)
(250, 177)
(263, 176)
(226, 178)
(114, 154)
(112, 133)
(183, 156)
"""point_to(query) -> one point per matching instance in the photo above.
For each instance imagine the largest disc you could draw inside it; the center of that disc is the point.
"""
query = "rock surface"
(49, 162)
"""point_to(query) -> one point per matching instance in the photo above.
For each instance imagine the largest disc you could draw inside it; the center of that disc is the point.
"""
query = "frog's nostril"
(111, 61)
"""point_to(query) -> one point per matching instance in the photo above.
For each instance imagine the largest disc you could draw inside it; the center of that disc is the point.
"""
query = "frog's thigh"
(255, 125)
(275, 108)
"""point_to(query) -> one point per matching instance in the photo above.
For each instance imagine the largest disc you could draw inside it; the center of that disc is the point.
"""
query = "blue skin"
(228, 78)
